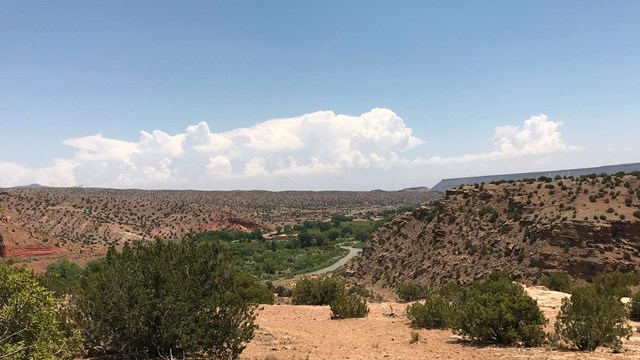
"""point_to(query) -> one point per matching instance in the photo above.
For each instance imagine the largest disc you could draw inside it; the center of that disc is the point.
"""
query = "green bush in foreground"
(433, 313)
(411, 292)
(591, 318)
(30, 327)
(153, 300)
(499, 311)
(319, 291)
(349, 306)
(557, 281)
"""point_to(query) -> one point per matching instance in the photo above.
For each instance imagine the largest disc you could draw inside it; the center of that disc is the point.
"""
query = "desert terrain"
(288, 332)
(39, 225)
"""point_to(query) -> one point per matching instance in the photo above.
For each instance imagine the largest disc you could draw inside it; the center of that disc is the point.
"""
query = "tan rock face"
(580, 226)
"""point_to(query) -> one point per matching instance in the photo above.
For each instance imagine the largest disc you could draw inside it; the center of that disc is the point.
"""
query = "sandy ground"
(307, 332)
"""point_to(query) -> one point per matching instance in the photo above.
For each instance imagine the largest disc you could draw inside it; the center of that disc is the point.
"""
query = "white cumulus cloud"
(537, 136)
(316, 150)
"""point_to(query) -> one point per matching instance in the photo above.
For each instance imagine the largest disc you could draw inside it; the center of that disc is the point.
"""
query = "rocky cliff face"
(580, 226)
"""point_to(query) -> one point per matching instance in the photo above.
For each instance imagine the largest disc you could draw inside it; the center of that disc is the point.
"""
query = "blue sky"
(80, 80)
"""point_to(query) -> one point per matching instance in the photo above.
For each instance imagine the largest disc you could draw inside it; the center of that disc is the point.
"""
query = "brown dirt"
(307, 332)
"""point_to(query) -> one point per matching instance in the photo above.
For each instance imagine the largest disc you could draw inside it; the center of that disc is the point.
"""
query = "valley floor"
(307, 332)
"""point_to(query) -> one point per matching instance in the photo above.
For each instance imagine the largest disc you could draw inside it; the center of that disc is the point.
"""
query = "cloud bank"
(293, 153)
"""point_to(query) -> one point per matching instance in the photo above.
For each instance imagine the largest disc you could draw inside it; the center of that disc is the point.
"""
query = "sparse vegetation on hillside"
(529, 227)
(86, 219)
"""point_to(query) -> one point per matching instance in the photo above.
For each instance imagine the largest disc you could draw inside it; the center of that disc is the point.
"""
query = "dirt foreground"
(307, 332)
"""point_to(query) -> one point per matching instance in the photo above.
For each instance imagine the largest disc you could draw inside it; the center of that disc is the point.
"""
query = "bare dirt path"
(352, 252)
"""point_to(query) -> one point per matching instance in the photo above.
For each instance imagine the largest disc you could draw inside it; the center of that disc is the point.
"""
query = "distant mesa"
(417, 189)
(446, 184)
(31, 186)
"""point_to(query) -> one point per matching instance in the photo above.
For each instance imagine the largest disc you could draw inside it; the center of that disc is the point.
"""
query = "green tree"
(411, 292)
(184, 299)
(319, 291)
(333, 234)
(324, 226)
(557, 281)
(433, 313)
(62, 277)
(362, 235)
(337, 219)
(256, 234)
(349, 306)
(591, 318)
(616, 283)
(30, 326)
(634, 307)
(499, 311)
(306, 239)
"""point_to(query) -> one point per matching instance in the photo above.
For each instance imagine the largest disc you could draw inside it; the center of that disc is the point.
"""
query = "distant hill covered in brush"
(446, 184)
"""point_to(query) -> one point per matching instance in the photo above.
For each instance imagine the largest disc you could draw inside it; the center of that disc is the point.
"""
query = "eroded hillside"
(46, 221)
(580, 226)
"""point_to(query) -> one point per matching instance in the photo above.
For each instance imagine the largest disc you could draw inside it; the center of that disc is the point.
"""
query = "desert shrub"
(415, 337)
(591, 318)
(637, 213)
(452, 292)
(557, 281)
(433, 313)
(499, 311)
(280, 290)
(251, 290)
(320, 291)
(166, 298)
(634, 307)
(411, 292)
(349, 306)
(616, 283)
(30, 326)
(62, 277)
(360, 291)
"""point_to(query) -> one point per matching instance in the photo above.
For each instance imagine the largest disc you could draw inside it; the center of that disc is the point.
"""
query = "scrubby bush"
(411, 292)
(452, 292)
(30, 326)
(591, 318)
(62, 277)
(557, 281)
(319, 291)
(499, 311)
(433, 313)
(616, 283)
(165, 298)
(634, 307)
(252, 290)
(349, 306)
